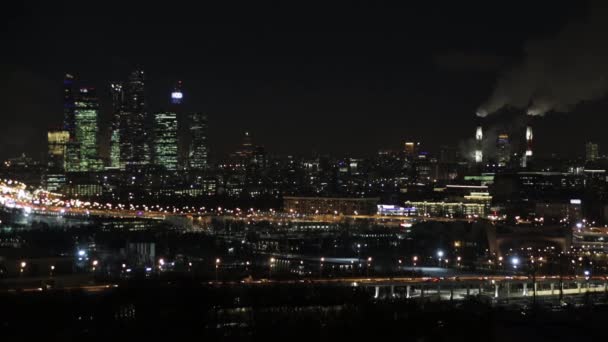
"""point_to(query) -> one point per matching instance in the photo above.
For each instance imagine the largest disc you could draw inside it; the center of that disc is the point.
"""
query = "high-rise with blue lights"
(68, 104)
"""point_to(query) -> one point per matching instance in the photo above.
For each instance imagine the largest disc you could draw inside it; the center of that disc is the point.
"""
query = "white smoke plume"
(560, 72)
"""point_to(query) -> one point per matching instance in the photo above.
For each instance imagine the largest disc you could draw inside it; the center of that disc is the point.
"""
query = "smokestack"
(478, 144)
(529, 137)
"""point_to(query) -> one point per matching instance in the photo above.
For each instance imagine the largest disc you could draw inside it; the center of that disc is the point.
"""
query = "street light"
(515, 262)
(439, 256)
(369, 261)
(321, 267)
(22, 264)
(217, 266)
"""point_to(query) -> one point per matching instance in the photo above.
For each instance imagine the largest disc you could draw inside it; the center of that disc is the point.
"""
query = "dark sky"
(351, 77)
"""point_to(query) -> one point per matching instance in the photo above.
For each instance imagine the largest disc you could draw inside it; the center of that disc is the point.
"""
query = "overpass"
(497, 288)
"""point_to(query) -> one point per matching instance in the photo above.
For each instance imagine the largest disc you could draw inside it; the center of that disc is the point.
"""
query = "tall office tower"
(411, 148)
(134, 139)
(72, 156)
(503, 150)
(165, 140)
(57, 147)
(247, 146)
(591, 151)
(198, 142)
(479, 144)
(116, 91)
(183, 126)
(86, 110)
(69, 90)
(259, 158)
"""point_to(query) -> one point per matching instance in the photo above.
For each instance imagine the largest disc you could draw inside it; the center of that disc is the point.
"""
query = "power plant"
(502, 151)
(479, 144)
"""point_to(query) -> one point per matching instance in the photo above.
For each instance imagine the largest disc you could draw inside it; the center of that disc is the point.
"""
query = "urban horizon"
(243, 172)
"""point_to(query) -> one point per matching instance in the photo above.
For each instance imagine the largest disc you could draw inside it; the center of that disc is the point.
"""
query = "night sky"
(347, 78)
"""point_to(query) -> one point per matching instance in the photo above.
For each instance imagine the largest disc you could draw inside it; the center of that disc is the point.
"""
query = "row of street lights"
(23, 266)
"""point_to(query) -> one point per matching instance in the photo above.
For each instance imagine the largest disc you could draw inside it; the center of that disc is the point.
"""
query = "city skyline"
(244, 171)
(293, 76)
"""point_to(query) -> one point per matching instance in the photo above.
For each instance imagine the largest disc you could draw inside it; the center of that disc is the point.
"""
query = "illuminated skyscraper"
(198, 141)
(176, 99)
(69, 89)
(411, 148)
(503, 150)
(591, 151)
(247, 146)
(134, 138)
(165, 140)
(116, 90)
(57, 148)
(72, 156)
(86, 109)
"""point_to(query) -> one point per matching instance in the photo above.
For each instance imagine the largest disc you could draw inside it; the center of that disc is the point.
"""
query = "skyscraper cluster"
(138, 136)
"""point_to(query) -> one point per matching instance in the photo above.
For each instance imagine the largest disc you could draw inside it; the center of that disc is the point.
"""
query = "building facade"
(134, 138)
(165, 140)
(57, 148)
(591, 151)
(198, 142)
(86, 112)
(117, 94)
(330, 205)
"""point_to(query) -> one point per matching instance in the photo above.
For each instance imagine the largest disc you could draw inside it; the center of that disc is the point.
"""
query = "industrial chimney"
(529, 137)
(479, 144)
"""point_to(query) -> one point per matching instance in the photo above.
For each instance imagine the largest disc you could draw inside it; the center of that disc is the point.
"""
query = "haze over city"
(358, 78)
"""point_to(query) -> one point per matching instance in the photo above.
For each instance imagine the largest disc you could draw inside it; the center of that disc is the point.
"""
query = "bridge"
(497, 288)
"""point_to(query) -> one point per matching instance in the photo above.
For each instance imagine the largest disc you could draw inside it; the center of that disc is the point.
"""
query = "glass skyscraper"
(86, 110)
(68, 104)
(165, 140)
(134, 138)
(116, 90)
(57, 147)
(198, 141)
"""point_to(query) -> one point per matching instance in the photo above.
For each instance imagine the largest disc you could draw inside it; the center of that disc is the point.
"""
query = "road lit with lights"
(15, 195)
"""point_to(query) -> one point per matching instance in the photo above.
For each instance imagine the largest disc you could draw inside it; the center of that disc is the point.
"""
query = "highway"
(15, 195)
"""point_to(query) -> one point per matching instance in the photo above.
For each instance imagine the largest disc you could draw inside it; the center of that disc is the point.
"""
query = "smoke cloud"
(558, 73)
